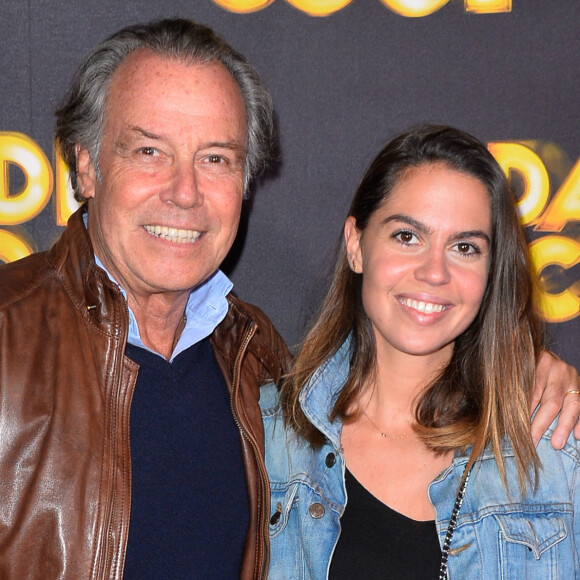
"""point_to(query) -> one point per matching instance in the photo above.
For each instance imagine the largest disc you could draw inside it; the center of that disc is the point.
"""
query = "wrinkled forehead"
(155, 90)
(144, 71)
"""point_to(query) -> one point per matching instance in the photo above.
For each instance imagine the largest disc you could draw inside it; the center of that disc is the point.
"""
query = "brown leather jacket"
(65, 397)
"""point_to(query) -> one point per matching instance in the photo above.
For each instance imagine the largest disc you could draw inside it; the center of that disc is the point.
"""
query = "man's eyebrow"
(225, 145)
(232, 145)
(144, 132)
(421, 227)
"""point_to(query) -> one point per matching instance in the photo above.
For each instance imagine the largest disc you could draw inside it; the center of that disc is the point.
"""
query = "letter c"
(564, 252)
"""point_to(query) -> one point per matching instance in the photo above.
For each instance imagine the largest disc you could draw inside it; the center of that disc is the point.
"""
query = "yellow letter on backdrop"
(243, 6)
(65, 203)
(565, 206)
(319, 7)
(12, 247)
(528, 164)
(488, 6)
(22, 151)
(564, 252)
(414, 8)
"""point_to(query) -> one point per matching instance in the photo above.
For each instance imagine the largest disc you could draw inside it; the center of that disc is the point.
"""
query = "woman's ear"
(86, 175)
(352, 238)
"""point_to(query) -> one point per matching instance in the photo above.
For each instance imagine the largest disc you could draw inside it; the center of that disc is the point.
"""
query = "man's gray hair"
(80, 120)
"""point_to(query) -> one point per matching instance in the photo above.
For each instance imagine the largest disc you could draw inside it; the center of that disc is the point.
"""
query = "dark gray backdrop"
(342, 86)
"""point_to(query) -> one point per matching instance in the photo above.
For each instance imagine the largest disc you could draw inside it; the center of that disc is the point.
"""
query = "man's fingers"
(555, 391)
(547, 412)
(567, 421)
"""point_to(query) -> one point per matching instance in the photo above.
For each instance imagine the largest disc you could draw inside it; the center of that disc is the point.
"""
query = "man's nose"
(184, 189)
(433, 267)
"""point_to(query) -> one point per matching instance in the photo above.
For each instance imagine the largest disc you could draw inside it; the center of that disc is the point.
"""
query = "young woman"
(410, 394)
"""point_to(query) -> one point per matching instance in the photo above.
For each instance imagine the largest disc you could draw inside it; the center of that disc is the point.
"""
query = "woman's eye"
(466, 248)
(405, 237)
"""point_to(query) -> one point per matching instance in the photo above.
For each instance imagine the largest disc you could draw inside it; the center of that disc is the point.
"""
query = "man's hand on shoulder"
(557, 390)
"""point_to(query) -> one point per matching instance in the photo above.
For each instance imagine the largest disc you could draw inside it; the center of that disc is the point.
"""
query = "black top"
(189, 505)
(376, 542)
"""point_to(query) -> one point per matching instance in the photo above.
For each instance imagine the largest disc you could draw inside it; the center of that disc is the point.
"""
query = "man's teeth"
(425, 307)
(173, 234)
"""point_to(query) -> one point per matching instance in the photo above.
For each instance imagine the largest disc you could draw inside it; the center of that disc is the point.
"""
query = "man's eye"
(215, 159)
(148, 151)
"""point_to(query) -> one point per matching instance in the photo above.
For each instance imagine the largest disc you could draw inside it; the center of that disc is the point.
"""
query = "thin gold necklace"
(383, 434)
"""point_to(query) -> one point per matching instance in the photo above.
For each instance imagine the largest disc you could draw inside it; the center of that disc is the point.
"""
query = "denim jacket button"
(316, 510)
(330, 459)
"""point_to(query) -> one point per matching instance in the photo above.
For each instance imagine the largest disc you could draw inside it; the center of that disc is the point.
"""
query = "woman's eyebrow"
(471, 234)
(424, 229)
(401, 217)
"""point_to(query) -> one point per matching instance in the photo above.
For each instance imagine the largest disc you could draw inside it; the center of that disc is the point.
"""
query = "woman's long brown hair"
(482, 395)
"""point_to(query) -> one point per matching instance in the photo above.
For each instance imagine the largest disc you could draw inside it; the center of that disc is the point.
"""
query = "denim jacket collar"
(321, 391)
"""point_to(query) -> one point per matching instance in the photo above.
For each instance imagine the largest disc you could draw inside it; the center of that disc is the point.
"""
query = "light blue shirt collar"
(206, 307)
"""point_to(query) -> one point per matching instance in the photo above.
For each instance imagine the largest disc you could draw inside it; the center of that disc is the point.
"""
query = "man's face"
(166, 210)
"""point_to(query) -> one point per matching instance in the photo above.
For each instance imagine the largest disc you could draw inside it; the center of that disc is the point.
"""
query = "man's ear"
(86, 175)
(352, 238)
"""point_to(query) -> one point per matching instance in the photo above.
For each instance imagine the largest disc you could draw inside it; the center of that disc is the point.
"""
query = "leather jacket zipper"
(243, 430)
(113, 512)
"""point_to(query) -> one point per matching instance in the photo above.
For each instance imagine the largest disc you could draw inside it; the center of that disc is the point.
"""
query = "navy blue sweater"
(189, 508)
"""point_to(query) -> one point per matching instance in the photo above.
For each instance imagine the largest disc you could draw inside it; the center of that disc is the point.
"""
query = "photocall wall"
(345, 76)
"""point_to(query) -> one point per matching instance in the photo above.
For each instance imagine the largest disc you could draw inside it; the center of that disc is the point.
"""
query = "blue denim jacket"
(498, 536)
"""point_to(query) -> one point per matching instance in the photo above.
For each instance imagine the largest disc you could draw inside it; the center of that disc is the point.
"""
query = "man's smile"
(175, 235)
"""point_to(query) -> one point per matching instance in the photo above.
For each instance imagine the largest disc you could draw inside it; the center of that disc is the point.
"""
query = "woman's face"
(424, 258)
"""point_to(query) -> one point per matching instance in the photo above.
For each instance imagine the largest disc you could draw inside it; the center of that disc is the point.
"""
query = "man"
(121, 457)
(131, 442)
